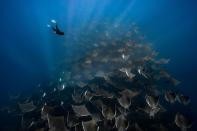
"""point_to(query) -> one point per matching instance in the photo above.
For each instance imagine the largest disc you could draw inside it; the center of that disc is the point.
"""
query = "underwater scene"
(98, 65)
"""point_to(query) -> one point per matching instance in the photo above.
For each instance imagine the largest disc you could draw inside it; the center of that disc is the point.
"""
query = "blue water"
(29, 51)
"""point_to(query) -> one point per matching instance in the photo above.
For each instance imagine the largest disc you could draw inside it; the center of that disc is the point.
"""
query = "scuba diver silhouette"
(55, 29)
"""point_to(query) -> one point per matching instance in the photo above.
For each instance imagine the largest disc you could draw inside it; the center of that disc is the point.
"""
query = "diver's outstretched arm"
(56, 26)
(54, 29)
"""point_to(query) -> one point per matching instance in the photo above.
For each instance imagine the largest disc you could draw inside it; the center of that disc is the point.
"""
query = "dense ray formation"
(118, 84)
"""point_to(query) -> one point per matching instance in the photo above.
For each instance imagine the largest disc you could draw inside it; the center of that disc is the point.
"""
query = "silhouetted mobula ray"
(88, 95)
(90, 125)
(61, 87)
(94, 54)
(182, 122)
(104, 60)
(103, 93)
(108, 112)
(170, 96)
(101, 74)
(127, 72)
(99, 104)
(129, 93)
(77, 98)
(106, 94)
(141, 72)
(152, 101)
(183, 99)
(162, 61)
(35, 126)
(124, 101)
(88, 76)
(164, 74)
(27, 107)
(97, 117)
(71, 120)
(151, 111)
(45, 111)
(77, 77)
(121, 123)
(56, 123)
(93, 86)
(88, 61)
(81, 110)
(125, 57)
(81, 84)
